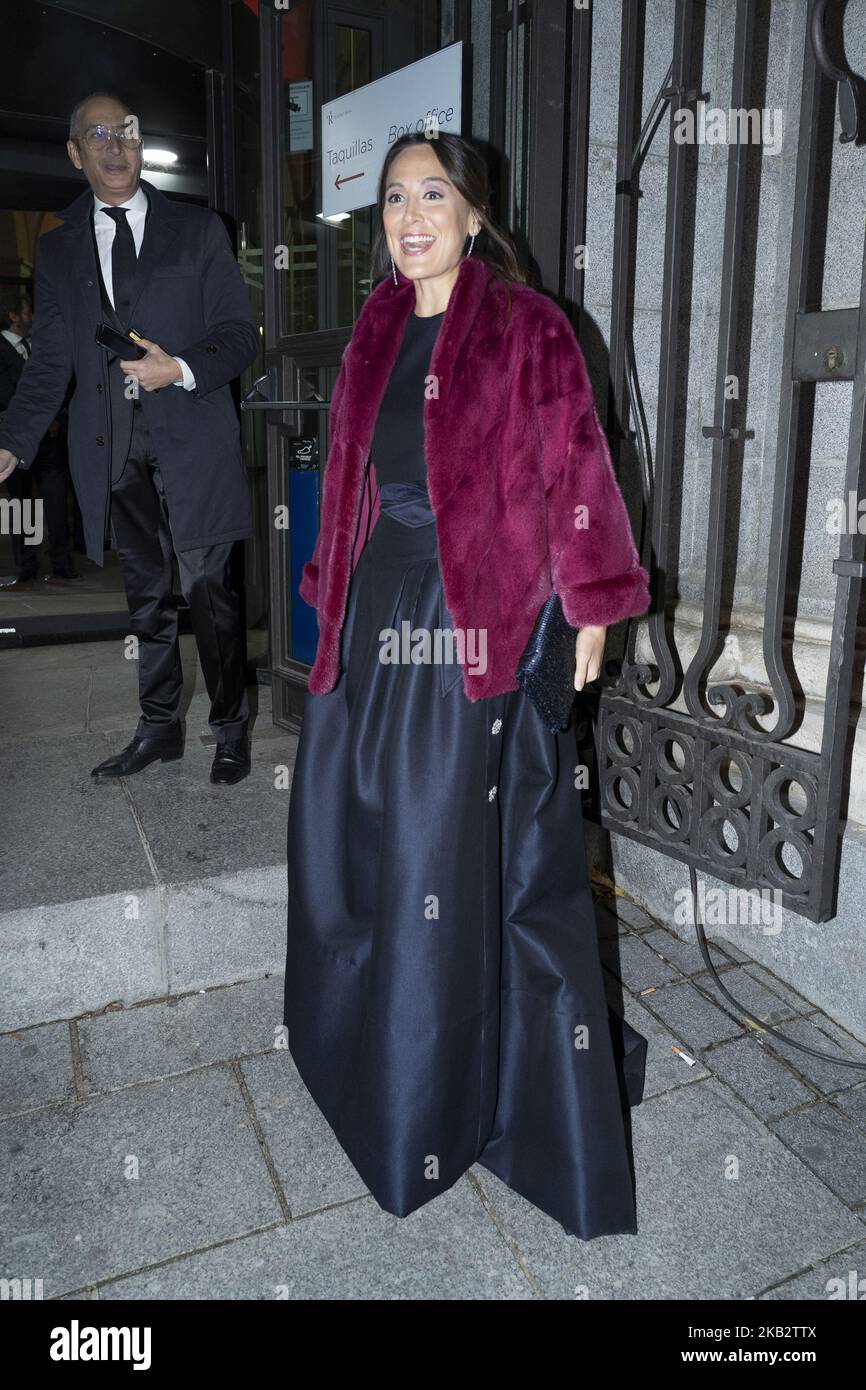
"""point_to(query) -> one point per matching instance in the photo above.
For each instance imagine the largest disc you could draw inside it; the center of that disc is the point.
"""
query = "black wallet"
(122, 346)
(545, 672)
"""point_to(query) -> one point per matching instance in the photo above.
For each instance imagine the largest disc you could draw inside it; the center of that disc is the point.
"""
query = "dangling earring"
(471, 244)
(393, 270)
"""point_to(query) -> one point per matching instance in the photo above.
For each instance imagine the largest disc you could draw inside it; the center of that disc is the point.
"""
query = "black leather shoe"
(231, 761)
(138, 754)
(61, 578)
(24, 582)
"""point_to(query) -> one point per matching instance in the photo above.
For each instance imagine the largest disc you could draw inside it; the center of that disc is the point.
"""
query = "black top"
(398, 439)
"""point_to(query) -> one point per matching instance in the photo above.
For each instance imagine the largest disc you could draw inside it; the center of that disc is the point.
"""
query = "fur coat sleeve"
(589, 532)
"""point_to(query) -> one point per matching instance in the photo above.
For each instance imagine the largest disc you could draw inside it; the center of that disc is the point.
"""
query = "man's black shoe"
(139, 753)
(59, 581)
(231, 761)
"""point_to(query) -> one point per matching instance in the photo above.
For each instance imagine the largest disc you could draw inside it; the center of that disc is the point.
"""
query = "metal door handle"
(258, 397)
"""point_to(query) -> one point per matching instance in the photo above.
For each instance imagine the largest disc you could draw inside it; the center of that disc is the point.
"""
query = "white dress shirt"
(105, 228)
(17, 342)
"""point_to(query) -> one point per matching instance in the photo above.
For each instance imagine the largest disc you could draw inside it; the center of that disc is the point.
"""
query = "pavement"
(156, 1140)
(98, 589)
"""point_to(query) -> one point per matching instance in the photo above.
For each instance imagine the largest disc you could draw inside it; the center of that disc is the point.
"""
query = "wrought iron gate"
(710, 784)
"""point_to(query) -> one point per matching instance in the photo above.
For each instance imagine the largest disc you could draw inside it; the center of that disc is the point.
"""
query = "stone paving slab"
(683, 952)
(60, 604)
(715, 939)
(664, 1069)
(628, 912)
(752, 993)
(64, 836)
(798, 1003)
(113, 704)
(96, 1190)
(312, 1168)
(632, 961)
(701, 1235)
(685, 955)
(69, 958)
(764, 1083)
(35, 1068)
(178, 1035)
(130, 890)
(114, 693)
(607, 924)
(197, 830)
(56, 656)
(83, 956)
(831, 1145)
(694, 1021)
(205, 1218)
(220, 930)
(447, 1250)
(853, 1104)
(44, 704)
(841, 1278)
(824, 1035)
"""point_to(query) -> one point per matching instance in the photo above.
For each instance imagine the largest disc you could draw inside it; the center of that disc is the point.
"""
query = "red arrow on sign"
(348, 179)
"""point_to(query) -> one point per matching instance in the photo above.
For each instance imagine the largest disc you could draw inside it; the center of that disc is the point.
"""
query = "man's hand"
(8, 464)
(589, 649)
(155, 370)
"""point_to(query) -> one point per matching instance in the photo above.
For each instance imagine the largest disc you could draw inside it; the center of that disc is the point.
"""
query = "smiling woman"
(444, 996)
(426, 222)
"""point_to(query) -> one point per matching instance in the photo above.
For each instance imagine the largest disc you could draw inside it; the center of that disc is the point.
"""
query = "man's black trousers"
(141, 536)
(50, 471)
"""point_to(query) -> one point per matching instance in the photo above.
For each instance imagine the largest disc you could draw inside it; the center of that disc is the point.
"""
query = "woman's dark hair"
(467, 170)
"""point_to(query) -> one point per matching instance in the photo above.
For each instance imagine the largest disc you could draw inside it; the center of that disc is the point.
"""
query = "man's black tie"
(123, 262)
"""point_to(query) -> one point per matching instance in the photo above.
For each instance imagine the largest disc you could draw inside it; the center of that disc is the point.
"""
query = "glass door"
(315, 276)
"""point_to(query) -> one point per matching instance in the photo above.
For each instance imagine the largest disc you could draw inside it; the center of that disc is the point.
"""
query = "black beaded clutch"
(545, 672)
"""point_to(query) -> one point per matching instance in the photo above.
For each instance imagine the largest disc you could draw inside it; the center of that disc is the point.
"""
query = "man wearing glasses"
(154, 442)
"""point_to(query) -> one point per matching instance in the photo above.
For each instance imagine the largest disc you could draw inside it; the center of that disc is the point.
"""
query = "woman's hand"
(589, 649)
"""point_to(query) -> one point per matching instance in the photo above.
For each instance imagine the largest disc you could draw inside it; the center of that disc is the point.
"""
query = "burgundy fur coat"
(518, 472)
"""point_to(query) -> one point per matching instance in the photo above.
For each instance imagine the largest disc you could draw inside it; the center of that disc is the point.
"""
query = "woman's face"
(426, 220)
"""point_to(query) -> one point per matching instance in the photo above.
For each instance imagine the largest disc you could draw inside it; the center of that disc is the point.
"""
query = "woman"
(444, 998)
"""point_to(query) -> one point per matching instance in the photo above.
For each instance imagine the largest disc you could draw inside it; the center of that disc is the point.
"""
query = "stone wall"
(826, 961)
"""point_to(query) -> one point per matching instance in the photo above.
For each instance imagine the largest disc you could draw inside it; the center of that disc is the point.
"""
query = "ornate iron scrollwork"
(744, 812)
(712, 785)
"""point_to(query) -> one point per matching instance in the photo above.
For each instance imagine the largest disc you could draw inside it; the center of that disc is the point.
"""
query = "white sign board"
(300, 103)
(359, 128)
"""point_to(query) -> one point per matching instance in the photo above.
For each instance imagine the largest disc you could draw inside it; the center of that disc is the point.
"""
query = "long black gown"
(444, 998)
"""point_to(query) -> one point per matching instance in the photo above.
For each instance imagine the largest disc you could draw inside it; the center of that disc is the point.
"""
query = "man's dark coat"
(11, 367)
(190, 298)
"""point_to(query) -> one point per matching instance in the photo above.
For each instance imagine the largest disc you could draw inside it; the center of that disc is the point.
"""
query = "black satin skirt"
(444, 997)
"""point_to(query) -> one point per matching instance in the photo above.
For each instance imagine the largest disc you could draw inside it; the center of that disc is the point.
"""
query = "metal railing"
(714, 784)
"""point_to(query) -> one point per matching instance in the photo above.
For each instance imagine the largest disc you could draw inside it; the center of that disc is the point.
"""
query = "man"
(49, 465)
(154, 443)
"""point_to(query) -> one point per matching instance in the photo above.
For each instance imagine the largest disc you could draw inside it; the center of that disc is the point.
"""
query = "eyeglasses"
(99, 137)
